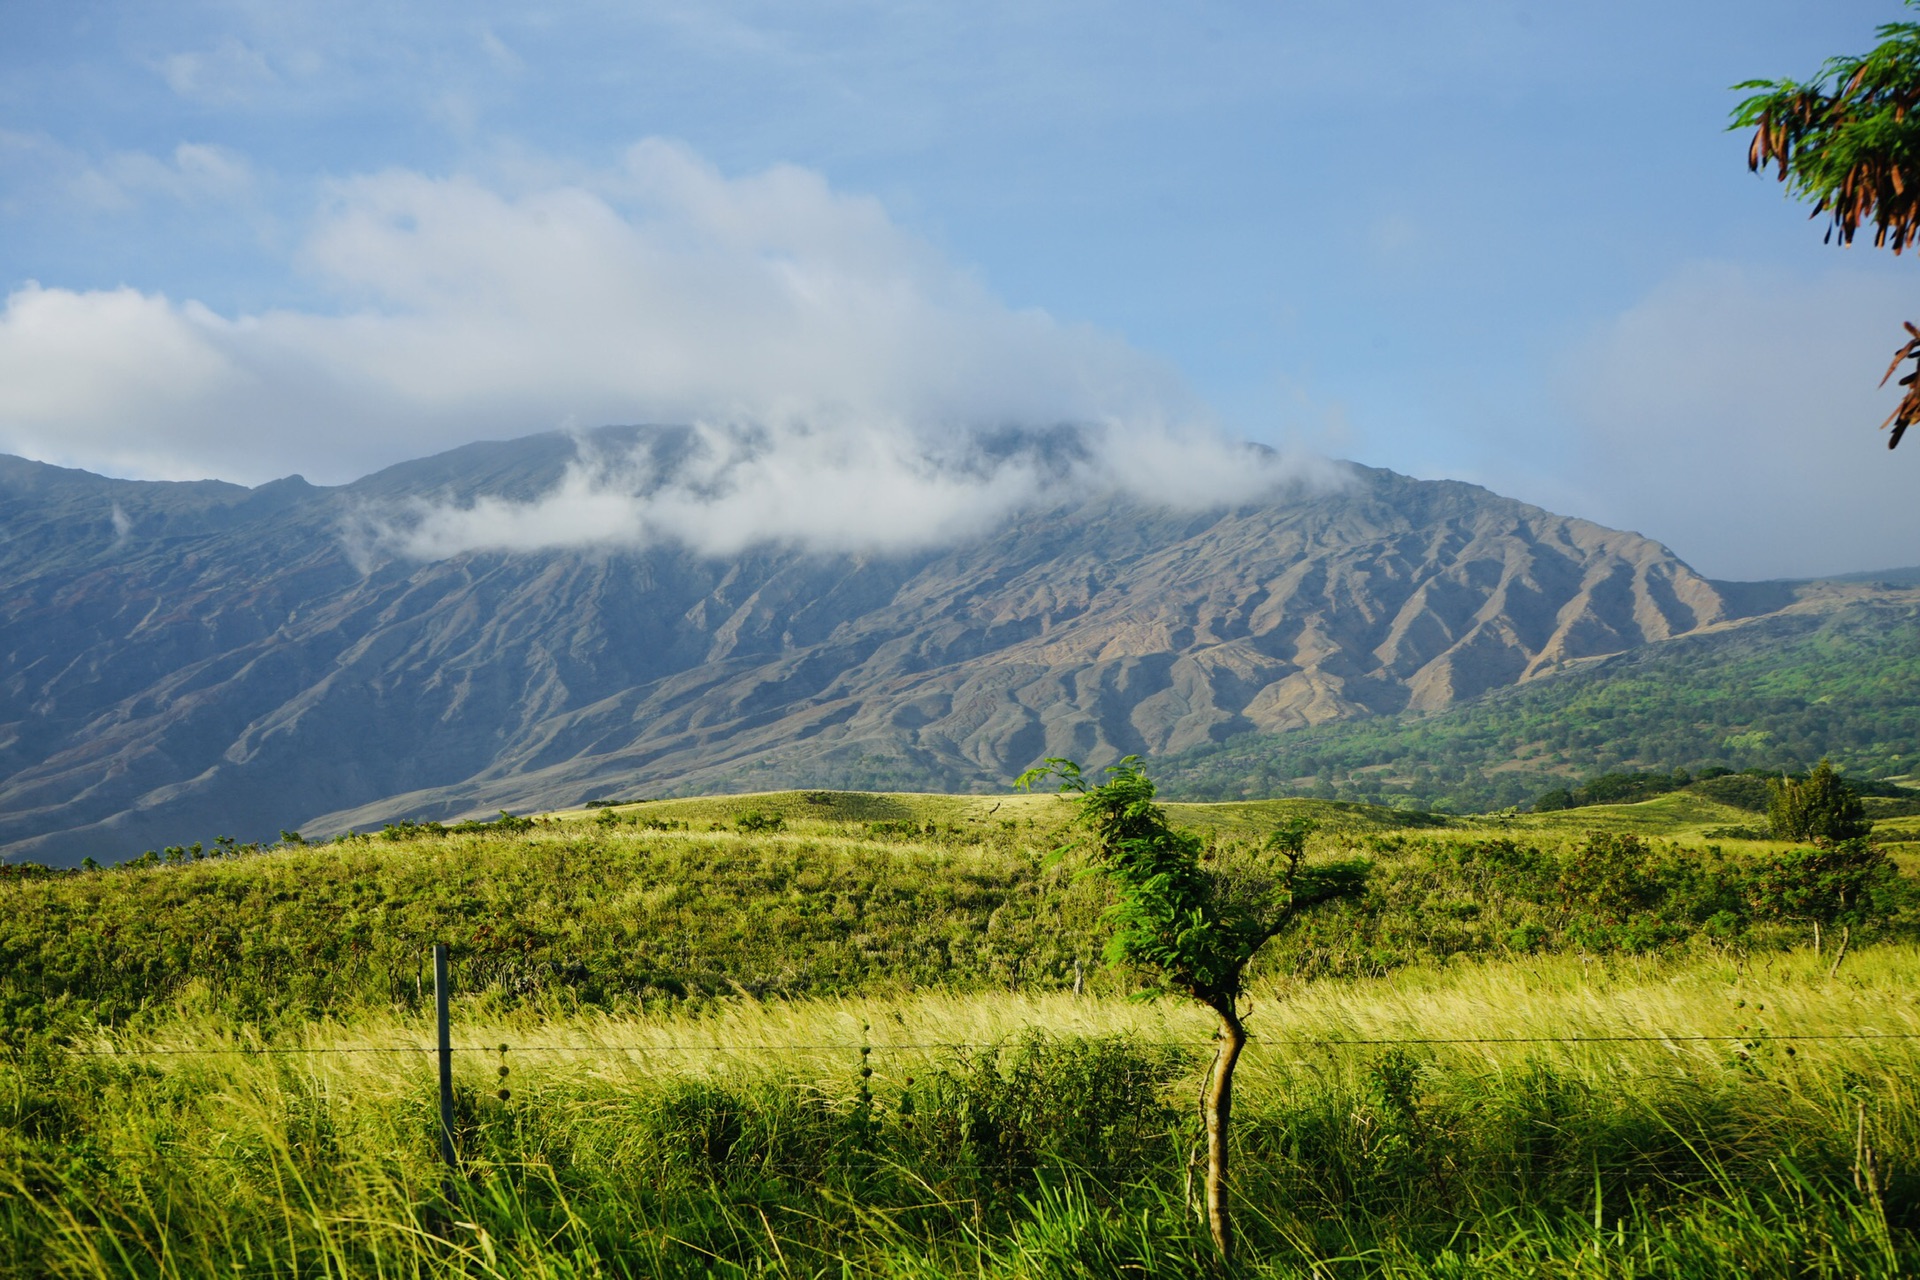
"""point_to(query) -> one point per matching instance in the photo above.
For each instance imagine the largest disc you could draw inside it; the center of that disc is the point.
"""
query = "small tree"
(1193, 928)
(1820, 806)
(1850, 883)
(1553, 800)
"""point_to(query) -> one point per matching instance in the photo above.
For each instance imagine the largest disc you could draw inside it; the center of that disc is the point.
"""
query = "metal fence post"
(441, 984)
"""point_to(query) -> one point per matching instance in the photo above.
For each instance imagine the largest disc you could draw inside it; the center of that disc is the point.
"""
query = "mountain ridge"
(201, 657)
(1835, 675)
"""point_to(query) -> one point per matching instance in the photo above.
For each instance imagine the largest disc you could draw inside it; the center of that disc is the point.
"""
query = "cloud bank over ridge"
(850, 388)
(658, 290)
(850, 488)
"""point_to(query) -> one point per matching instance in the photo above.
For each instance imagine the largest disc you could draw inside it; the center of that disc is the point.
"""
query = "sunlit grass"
(1488, 1009)
(220, 1067)
(204, 1161)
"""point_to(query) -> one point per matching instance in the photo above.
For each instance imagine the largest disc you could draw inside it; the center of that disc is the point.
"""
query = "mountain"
(1836, 673)
(180, 660)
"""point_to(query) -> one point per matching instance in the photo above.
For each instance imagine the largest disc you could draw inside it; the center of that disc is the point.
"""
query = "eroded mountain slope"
(180, 660)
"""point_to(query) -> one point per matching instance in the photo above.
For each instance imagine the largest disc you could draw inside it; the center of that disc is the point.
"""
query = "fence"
(443, 1049)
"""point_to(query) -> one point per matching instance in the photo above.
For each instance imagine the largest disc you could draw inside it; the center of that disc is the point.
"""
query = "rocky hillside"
(181, 660)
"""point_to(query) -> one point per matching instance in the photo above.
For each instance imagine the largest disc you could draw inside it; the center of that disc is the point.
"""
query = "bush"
(1851, 883)
(1820, 806)
(1553, 801)
(1610, 877)
(1621, 894)
(1628, 788)
(1747, 791)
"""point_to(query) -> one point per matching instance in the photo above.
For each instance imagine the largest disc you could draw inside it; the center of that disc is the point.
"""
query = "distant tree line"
(1819, 805)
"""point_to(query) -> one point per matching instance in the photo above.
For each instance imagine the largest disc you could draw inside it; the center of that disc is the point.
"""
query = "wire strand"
(1747, 1038)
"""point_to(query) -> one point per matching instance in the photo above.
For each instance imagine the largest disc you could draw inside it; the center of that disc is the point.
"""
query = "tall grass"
(1012, 1134)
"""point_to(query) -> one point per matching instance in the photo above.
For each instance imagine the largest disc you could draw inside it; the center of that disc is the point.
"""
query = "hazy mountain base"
(1775, 693)
(658, 1121)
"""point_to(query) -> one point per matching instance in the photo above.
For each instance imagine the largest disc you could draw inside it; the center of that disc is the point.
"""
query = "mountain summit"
(182, 659)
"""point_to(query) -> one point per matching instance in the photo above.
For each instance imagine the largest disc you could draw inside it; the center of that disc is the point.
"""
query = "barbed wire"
(973, 1166)
(1324, 1042)
(1663, 1038)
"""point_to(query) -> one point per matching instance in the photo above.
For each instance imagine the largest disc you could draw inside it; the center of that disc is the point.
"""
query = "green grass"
(1028, 816)
(704, 1144)
(1676, 814)
(686, 1003)
(664, 903)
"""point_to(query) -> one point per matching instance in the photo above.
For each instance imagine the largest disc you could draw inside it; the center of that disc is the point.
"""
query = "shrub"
(408, 829)
(1526, 937)
(1820, 806)
(1747, 791)
(1622, 894)
(1850, 883)
(1610, 877)
(1553, 801)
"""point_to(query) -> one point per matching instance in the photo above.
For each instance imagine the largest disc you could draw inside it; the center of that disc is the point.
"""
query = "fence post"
(445, 1047)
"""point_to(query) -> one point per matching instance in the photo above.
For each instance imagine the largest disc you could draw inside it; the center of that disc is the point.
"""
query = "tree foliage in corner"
(1191, 927)
(1848, 142)
(1820, 806)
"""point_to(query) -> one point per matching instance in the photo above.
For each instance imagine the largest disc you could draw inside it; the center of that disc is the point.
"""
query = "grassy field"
(741, 1140)
(670, 902)
(213, 1066)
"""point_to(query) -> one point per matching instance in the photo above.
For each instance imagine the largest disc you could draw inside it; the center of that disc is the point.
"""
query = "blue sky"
(1507, 242)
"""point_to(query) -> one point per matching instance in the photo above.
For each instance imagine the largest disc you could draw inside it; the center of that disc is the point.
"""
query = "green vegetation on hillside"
(1755, 791)
(1774, 695)
(670, 902)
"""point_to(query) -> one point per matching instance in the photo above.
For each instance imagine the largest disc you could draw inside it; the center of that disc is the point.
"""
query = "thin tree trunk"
(1219, 1109)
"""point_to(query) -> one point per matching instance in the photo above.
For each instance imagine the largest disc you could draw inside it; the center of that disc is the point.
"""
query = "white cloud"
(855, 487)
(1730, 413)
(843, 370)
(44, 172)
(230, 73)
(76, 370)
(196, 173)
